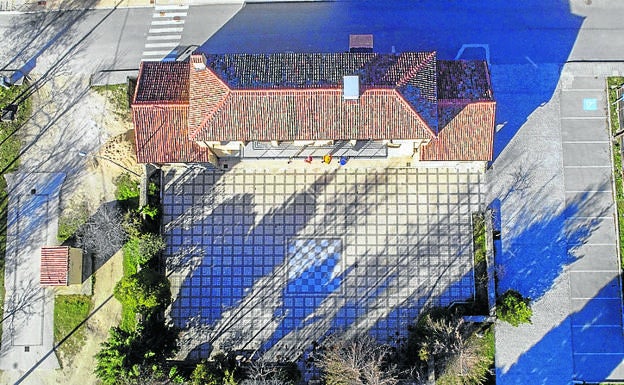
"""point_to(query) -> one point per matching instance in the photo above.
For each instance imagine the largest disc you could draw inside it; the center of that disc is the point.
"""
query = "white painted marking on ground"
(586, 141)
(164, 37)
(170, 7)
(165, 30)
(157, 53)
(597, 90)
(588, 191)
(167, 22)
(582, 117)
(608, 166)
(531, 61)
(169, 14)
(162, 45)
(594, 298)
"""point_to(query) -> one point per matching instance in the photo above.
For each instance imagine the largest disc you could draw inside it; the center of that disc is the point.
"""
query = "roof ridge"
(414, 112)
(192, 133)
(415, 69)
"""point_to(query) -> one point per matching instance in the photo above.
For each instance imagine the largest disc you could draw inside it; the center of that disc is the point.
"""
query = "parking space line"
(582, 118)
(608, 166)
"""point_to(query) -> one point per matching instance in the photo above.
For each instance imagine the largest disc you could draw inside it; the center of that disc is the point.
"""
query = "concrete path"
(559, 239)
(28, 326)
(595, 292)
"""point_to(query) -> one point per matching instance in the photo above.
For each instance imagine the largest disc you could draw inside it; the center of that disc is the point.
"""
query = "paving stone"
(379, 219)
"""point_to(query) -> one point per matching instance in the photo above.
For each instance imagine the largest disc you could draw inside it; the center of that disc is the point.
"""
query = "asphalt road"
(533, 32)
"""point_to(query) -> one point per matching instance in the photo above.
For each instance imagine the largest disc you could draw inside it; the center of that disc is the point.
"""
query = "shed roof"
(54, 265)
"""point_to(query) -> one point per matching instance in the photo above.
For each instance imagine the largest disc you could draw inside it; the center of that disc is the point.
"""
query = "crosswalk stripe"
(170, 14)
(170, 7)
(164, 33)
(158, 53)
(160, 45)
(167, 22)
(164, 37)
(163, 30)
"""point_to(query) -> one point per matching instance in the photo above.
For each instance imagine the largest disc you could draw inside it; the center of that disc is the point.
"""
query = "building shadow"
(526, 43)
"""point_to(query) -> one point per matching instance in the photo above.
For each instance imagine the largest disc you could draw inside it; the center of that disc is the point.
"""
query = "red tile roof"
(313, 114)
(321, 70)
(468, 134)
(163, 82)
(161, 135)
(299, 97)
(54, 265)
(464, 79)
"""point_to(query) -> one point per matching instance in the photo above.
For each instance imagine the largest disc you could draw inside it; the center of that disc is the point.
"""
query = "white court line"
(169, 14)
(162, 45)
(164, 37)
(167, 22)
(163, 30)
(157, 53)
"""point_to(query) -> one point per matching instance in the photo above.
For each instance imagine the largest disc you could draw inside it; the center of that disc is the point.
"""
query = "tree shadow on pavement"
(534, 254)
(297, 278)
(547, 359)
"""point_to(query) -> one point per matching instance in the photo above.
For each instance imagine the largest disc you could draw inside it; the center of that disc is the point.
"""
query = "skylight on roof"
(351, 90)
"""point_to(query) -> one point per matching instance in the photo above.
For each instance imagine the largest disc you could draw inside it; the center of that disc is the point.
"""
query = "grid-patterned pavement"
(273, 260)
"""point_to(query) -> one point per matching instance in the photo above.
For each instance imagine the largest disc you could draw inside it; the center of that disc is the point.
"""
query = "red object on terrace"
(54, 265)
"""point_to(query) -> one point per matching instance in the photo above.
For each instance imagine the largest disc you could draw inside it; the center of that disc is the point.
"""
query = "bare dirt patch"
(94, 188)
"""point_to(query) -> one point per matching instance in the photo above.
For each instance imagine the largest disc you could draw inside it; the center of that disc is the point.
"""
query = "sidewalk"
(28, 328)
(56, 5)
(559, 239)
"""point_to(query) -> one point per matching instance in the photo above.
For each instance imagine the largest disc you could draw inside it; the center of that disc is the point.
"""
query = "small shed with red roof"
(60, 266)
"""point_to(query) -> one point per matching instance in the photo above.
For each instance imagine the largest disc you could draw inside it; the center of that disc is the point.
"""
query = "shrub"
(150, 211)
(513, 308)
(146, 291)
(140, 250)
(137, 356)
(71, 219)
(127, 188)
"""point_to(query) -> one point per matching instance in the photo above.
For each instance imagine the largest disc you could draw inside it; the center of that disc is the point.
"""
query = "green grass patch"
(118, 96)
(69, 312)
(612, 84)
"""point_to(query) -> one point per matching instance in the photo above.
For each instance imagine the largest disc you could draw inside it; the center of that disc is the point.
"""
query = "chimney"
(351, 87)
(198, 60)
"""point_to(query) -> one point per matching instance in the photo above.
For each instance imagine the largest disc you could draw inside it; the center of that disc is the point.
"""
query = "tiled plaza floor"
(271, 261)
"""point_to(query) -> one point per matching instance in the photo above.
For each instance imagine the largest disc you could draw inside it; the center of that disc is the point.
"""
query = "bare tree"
(263, 373)
(356, 361)
(103, 233)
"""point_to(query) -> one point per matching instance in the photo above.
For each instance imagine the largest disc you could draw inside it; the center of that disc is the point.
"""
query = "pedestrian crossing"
(165, 33)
